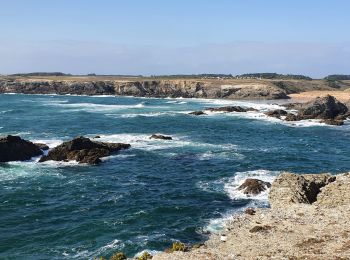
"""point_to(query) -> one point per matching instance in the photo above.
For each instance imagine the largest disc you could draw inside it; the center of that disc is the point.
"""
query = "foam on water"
(143, 141)
(230, 187)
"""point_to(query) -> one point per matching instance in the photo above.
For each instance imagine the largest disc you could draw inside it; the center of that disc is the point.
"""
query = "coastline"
(291, 229)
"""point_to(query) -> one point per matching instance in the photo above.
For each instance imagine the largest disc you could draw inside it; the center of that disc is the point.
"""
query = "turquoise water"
(156, 192)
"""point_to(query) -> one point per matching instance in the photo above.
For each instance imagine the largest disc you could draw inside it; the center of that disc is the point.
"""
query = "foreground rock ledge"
(83, 150)
(309, 219)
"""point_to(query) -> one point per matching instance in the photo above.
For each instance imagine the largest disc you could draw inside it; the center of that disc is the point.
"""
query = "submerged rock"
(161, 137)
(83, 150)
(197, 113)
(231, 109)
(254, 186)
(14, 148)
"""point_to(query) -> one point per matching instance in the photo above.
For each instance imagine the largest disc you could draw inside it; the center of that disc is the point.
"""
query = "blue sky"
(170, 37)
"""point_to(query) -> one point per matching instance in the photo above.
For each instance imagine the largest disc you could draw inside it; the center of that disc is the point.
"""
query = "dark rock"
(197, 113)
(250, 211)
(323, 108)
(254, 186)
(97, 136)
(260, 229)
(83, 150)
(43, 147)
(161, 137)
(333, 122)
(291, 117)
(231, 109)
(277, 113)
(14, 148)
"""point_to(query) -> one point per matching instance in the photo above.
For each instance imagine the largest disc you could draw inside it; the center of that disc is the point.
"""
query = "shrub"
(145, 256)
(118, 256)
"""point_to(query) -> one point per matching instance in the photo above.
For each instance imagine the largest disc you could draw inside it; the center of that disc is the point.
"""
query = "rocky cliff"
(145, 88)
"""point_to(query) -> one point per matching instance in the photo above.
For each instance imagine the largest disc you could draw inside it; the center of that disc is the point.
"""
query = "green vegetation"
(118, 256)
(336, 77)
(178, 246)
(145, 256)
(272, 76)
(41, 74)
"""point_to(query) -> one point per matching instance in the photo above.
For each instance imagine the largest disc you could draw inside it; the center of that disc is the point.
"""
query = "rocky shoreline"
(308, 219)
(151, 88)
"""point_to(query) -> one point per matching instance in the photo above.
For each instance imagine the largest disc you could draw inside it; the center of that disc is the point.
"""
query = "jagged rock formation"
(309, 219)
(231, 109)
(145, 88)
(14, 148)
(197, 113)
(254, 186)
(83, 150)
(328, 109)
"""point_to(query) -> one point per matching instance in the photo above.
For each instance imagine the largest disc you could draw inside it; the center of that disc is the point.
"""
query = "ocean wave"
(232, 184)
(92, 107)
(230, 187)
(143, 141)
(51, 143)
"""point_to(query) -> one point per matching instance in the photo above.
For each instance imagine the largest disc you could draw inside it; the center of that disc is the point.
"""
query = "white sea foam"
(92, 107)
(230, 187)
(51, 143)
(143, 141)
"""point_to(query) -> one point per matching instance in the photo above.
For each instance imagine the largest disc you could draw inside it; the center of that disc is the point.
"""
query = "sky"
(156, 37)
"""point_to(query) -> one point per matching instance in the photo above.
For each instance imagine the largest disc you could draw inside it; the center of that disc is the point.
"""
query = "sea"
(158, 191)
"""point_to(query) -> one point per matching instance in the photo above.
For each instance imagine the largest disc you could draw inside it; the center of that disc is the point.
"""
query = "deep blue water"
(154, 193)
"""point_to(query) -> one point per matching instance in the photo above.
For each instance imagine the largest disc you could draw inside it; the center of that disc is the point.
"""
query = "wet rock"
(231, 109)
(197, 113)
(43, 147)
(291, 117)
(83, 150)
(254, 186)
(14, 148)
(161, 137)
(97, 136)
(333, 122)
(277, 113)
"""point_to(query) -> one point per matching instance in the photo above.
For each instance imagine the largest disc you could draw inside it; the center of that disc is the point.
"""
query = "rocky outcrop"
(144, 88)
(229, 109)
(161, 137)
(197, 113)
(323, 108)
(83, 150)
(254, 186)
(328, 109)
(292, 188)
(277, 113)
(14, 148)
(42, 146)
